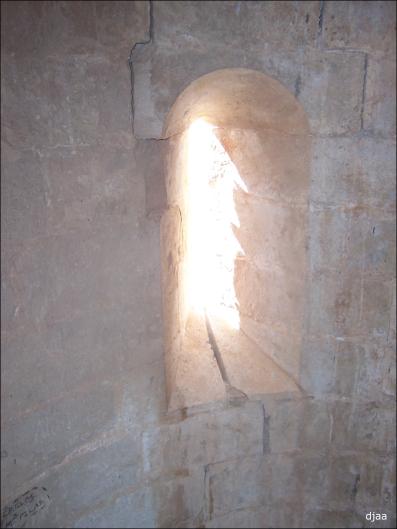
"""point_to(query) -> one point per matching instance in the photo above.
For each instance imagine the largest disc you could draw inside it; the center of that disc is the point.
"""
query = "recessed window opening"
(212, 246)
(233, 239)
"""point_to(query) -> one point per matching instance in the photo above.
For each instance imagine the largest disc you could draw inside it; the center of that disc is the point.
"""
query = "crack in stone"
(234, 395)
(298, 84)
(355, 486)
(266, 432)
(321, 18)
(364, 91)
(215, 350)
(130, 61)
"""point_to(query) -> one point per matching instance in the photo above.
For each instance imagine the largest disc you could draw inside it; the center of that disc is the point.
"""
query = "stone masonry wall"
(84, 424)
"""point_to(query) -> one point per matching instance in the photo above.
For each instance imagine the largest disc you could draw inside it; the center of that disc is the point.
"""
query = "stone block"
(58, 359)
(358, 239)
(285, 422)
(238, 484)
(375, 308)
(389, 381)
(24, 200)
(26, 294)
(318, 365)
(388, 487)
(162, 503)
(263, 103)
(74, 28)
(150, 156)
(31, 376)
(261, 374)
(391, 337)
(368, 26)
(202, 439)
(285, 514)
(380, 250)
(374, 376)
(330, 90)
(37, 110)
(279, 341)
(354, 172)
(345, 481)
(329, 84)
(14, 34)
(363, 426)
(285, 66)
(122, 24)
(356, 483)
(64, 101)
(130, 510)
(369, 487)
(348, 359)
(141, 393)
(314, 473)
(378, 232)
(99, 99)
(88, 186)
(43, 438)
(267, 173)
(342, 304)
(316, 429)
(250, 517)
(347, 368)
(65, 28)
(180, 500)
(74, 487)
(273, 236)
(329, 518)
(328, 230)
(236, 24)
(285, 480)
(379, 115)
(59, 278)
(268, 295)
(156, 89)
(333, 303)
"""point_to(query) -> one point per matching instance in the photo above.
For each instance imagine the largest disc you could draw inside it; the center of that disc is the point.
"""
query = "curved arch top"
(237, 98)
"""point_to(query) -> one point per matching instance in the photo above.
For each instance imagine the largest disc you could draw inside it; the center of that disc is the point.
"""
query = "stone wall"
(84, 423)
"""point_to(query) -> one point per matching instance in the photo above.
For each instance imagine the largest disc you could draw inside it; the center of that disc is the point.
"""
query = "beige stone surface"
(366, 26)
(354, 172)
(259, 157)
(331, 91)
(236, 24)
(85, 180)
(250, 368)
(380, 97)
(278, 339)
(209, 436)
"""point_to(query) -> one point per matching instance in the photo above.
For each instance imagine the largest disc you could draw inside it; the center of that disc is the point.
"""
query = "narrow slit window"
(234, 239)
(212, 246)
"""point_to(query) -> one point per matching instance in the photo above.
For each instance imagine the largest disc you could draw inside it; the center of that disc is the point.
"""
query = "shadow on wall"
(234, 238)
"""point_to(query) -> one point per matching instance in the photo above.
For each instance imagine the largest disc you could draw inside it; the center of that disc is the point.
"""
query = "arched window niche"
(234, 239)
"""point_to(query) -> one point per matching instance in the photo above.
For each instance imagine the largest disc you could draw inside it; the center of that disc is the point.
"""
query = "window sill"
(250, 373)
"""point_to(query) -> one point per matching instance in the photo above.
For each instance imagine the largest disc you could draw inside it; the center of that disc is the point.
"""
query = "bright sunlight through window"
(212, 246)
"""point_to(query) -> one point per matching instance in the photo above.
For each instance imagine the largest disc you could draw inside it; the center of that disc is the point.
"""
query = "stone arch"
(263, 131)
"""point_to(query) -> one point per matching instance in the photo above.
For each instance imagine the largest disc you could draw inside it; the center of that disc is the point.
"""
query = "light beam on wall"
(212, 246)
